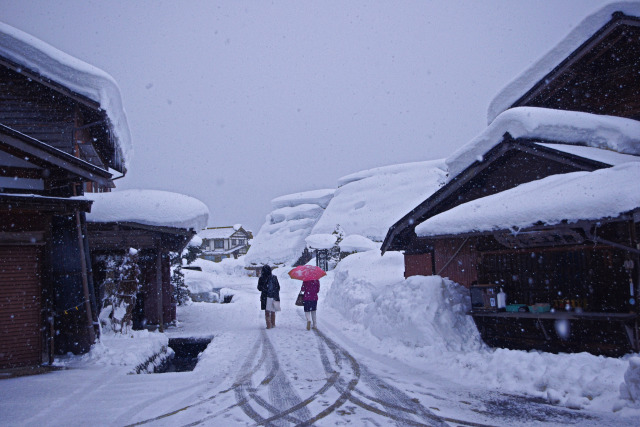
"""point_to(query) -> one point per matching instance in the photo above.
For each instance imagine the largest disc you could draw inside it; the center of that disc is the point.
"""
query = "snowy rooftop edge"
(544, 65)
(569, 127)
(571, 197)
(149, 207)
(317, 197)
(73, 73)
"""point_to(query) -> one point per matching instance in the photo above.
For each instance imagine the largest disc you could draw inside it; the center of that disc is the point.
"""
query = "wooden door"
(20, 304)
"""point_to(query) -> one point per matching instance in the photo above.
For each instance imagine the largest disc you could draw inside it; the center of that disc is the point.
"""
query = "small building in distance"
(219, 243)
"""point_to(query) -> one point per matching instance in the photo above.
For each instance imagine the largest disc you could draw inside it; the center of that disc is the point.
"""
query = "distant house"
(545, 204)
(56, 141)
(219, 243)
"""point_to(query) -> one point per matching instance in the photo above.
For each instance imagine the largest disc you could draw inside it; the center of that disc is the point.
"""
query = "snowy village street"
(339, 213)
(284, 376)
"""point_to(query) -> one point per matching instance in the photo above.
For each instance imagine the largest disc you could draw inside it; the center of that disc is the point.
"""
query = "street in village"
(284, 376)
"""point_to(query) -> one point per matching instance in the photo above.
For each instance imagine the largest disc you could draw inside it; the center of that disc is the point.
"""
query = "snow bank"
(525, 81)
(418, 312)
(281, 239)
(129, 351)
(570, 127)
(571, 197)
(421, 320)
(630, 388)
(369, 202)
(72, 73)
(150, 207)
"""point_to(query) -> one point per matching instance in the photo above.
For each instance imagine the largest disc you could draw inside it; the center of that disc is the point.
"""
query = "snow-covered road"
(284, 376)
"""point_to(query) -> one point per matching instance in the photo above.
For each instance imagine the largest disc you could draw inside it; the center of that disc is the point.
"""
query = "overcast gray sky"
(239, 102)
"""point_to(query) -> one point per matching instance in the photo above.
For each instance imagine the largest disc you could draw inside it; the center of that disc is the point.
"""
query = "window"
(218, 244)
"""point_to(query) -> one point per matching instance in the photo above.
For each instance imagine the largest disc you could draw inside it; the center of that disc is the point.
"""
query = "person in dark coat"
(269, 293)
(310, 288)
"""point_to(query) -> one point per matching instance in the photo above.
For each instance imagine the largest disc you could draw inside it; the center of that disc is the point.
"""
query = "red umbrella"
(307, 272)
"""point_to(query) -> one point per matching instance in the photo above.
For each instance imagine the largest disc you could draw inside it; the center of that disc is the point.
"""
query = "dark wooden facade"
(51, 113)
(589, 272)
(600, 77)
(156, 305)
(31, 293)
(54, 144)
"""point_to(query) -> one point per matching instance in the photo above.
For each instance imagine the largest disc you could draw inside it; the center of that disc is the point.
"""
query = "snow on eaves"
(604, 193)
(527, 79)
(570, 127)
(72, 73)
(315, 197)
(600, 155)
(148, 207)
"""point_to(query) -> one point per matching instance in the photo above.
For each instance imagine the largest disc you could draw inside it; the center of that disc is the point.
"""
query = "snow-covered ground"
(383, 343)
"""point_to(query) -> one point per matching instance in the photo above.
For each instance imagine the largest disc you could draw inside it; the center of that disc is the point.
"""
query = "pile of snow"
(357, 243)
(570, 127)
(551, 200)
(196, 241)
(132, 350)
(580, 34)
(421, 321)
(72, 73)
(281, 239)
(367, 203)
(630, 389)
(149, 207)
(419, 312)
(209, 283)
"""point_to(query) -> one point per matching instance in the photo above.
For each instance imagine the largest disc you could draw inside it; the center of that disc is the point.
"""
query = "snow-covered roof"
(217, 232)
(569, 127)
(369, 202)
(580, 34)
(321, 241)
(357, 243)
(604, 193)
(72, 73)
(149, 207)
(281, 238)
(315, 197)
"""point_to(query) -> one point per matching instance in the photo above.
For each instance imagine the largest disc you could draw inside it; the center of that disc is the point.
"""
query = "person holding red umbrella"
(310, 288)
(310, 276)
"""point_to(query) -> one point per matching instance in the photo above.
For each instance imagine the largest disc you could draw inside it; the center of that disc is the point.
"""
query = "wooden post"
(85, 280)
(159, 295)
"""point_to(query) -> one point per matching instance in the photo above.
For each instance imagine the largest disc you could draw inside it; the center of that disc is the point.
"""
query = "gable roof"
(571, 197)
(569, 127)
(492, 149)
(578, 70)
(68, 75)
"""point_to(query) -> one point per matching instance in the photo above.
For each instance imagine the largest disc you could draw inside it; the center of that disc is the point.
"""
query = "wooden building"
(56, 142)
(586, 269)
(155, 303)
